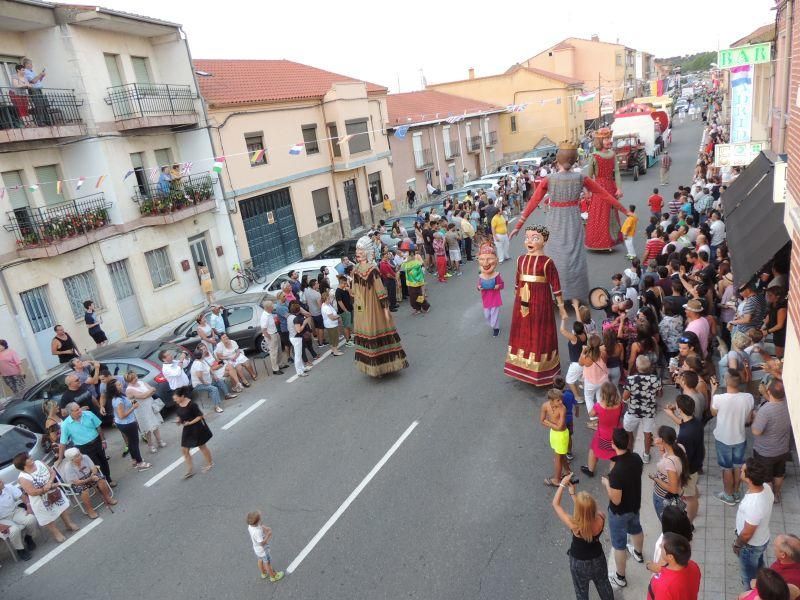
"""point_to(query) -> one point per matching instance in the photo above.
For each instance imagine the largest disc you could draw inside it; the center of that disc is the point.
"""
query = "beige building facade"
(291, 205)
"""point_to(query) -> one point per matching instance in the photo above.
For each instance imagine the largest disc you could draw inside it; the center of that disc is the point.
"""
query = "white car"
(489, 181)
(310, 268)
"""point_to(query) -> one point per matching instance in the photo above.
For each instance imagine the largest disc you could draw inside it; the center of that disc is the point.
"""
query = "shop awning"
(753, 222)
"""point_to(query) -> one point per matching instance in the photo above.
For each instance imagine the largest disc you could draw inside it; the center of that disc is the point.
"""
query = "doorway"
(351, 198)
(126, 296)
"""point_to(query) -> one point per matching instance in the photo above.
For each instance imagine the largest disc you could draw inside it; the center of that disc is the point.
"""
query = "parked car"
(520, 164)
(338, 250)
(308, 267)
(490, 183)
(243, 317)
(14, 440)
(26, 410)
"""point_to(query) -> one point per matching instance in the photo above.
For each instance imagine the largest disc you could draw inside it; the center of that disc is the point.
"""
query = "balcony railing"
(453, 151)
(137, 100)
(48, 225)
(423, 159)
(47, 107)
(474, 143)
(491, 138)
(160, 199)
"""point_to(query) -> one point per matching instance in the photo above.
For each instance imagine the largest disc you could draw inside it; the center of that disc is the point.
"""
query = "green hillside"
(691, 62)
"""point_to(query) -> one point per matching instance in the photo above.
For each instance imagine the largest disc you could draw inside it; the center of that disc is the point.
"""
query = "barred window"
(159, 267)
(79, 288)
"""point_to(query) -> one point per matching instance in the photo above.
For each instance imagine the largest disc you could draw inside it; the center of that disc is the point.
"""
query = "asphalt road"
(458, 511)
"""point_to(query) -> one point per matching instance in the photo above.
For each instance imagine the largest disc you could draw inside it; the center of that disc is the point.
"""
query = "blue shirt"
(30, 76)
(282, 310)
(80, 432)
(163, 182)
(216, 322)
(101, 389)
(126, 404)
(339, 268)
(568, 398)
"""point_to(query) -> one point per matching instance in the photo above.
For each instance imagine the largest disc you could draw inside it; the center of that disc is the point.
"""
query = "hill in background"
(691, 62)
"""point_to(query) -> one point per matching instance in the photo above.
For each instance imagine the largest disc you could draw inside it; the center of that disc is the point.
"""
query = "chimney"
(471, 73)
(595, 38)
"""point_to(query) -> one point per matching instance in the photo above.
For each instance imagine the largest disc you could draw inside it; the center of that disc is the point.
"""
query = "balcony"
(57, 224)
(139, 105)
(27, 115)
(491, 138)
(474, 143)
(423, 159)
(184, 198)
(453, 151)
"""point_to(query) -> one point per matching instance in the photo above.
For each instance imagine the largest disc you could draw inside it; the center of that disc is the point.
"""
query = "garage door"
(271, 231)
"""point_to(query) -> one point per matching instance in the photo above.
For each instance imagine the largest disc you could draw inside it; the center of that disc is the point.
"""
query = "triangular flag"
(58, 187)
(99, 181)
(186, 169)
(257, 156)
(345, 139)
(128, 174)
(153, 174)
(296, 149)
(401, 131)
(2, 193)
(33, 187)
(218, 164)
(80, 183)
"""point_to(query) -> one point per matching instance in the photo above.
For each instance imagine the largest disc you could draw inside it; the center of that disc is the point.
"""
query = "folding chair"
(7, 539)
(75, 497)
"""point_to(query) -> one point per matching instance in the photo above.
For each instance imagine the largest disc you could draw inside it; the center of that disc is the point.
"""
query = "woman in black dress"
(196, 432)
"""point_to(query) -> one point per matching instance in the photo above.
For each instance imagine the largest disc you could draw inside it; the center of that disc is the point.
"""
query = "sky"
(396, 44)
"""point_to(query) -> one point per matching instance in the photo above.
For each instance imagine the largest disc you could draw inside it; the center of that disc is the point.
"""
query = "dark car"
(338, 250)
(27, 410)
(243, 317)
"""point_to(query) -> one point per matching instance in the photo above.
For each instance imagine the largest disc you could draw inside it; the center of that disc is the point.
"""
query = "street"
(457, 510)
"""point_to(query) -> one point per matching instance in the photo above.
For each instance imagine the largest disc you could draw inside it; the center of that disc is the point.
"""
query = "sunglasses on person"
(684, 340)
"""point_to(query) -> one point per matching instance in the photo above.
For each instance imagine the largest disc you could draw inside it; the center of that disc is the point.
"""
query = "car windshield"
(14, 441)
(153, 356)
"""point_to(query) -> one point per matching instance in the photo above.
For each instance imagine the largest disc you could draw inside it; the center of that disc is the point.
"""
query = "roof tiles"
(430, 105)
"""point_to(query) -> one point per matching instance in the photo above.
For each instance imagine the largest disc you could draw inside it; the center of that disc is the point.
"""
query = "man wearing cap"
(697, 323)
(751, 310)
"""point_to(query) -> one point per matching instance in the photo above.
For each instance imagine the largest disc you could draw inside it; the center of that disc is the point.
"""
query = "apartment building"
(306, 154)
(551, 111)
(87, 214)
(443, 134)
(609, 68)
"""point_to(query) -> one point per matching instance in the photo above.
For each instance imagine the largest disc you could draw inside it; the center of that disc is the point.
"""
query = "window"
(240, 314)
(619, 59)
(375, 187)
(114, 72)
(137, 162)
(17, 195)
(141, 70)
(120, 369)
(46, 178)
(158, 265)
(37, 307)
(164, 157)
(322, 206)
(7, 71)
(254, 143)
(310, 139)
(79, 288)
(333, 134)
(448, 152)
(513, 124)
(360, 140)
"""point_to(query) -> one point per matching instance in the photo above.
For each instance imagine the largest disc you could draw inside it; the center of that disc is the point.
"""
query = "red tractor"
(631, 154)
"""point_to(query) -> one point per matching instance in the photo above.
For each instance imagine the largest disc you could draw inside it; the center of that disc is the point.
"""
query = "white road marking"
(174, 465)
(353, 495)
(243, 414)
(62, 547)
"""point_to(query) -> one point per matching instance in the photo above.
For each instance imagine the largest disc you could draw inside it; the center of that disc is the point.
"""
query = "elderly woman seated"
(82, 474)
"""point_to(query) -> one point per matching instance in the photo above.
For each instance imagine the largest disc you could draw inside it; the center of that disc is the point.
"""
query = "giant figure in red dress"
(603, 228)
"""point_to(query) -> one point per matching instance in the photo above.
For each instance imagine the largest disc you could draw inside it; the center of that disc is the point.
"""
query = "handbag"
(675, 500)
(53, 496)
(158, 405)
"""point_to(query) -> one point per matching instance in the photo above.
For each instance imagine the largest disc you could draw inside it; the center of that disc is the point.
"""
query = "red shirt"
(790, 572)
(652, 249)
(675, 585)
(386, 270)
(656, 203)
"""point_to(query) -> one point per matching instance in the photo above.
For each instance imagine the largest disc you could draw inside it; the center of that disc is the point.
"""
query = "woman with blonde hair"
(595, 370)
(608, 411)
(147, 417)
(587, 560)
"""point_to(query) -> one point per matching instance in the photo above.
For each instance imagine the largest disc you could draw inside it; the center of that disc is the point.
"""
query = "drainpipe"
(30, 349)
(333, 178)
(787, 72)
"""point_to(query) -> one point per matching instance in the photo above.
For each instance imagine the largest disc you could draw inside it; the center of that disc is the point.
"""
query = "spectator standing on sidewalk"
(733, 409)
(672, 471)
(691, 437)
(624, 488)
(679, 577)
(772, 436)
(752, 521)
(640, 396)
(11, 369)
(656, 203)
(269, 329)
(666, 163)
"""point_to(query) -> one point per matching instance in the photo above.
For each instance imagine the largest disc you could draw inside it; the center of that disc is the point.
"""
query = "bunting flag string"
(80, 183)
(99, 182)
(58, 187)
(296, 149)
(257, 156)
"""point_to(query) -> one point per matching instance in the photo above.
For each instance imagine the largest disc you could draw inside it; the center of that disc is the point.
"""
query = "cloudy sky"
(390, 42)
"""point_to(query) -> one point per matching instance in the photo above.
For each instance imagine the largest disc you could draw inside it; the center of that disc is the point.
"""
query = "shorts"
(621, 526)
(455, 255)
(631, 423)
(574, 373)
(98, 335)
(262, 554)
(347, 319)
(559, 441)
(428, 249)
(690, 489)
(775, 465)
(318, 322)
(729, 457)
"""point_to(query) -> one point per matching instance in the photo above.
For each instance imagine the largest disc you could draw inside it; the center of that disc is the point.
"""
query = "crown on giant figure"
(487, 248)
(603, 132)
(567, 145)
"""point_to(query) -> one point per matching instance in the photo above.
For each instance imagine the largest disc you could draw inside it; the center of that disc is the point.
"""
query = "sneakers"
(587, 471)
(143, 466)
(725, 498)
(495, 333)
(302, 374)
(570, 457)
(264, 575)
(646, 458)
(349, 343)
(278, 577)
(617, 579)
(322, 344)
(24, 554)
(637, 556)
(218, 409)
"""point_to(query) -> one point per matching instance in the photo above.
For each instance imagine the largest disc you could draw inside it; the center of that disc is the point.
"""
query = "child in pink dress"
(489, 285)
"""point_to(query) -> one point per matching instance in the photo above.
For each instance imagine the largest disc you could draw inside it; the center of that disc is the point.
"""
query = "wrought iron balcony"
(423, 159)
(22, 108)
(453, 151)
(160, 199)
(474, 143)
(491, 138)
(51, 224)
(150, 100)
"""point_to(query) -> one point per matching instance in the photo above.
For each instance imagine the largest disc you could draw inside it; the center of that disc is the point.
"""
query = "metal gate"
(126, 296)
(199, 248)
(351, 197)
(271, 232)
(40, 316)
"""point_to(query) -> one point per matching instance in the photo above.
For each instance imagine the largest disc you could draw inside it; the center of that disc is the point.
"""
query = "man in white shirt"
(16, 521)
(734, 410)
(269, 329)
(717, 227)
(173, 368)
(215, 319)
(752, 521)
